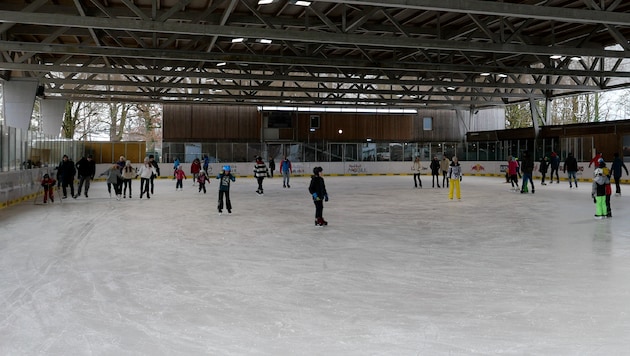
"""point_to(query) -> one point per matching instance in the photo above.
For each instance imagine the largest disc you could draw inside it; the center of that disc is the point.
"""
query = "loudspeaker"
(314, 121)
(40, 91)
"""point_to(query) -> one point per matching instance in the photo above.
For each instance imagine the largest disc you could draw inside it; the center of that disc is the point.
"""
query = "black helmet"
(317, 170)
(46, 175)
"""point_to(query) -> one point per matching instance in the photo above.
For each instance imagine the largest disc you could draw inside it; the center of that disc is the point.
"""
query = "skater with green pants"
(599, 194)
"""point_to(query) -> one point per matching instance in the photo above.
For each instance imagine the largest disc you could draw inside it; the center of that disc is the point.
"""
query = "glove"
(594, 199)
(315, 197)
(460, 178)
(325, 197)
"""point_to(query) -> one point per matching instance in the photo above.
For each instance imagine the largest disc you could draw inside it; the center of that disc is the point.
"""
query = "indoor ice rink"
(398, 271)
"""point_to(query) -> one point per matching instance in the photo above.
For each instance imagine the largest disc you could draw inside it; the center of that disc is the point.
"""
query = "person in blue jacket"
(225, 178)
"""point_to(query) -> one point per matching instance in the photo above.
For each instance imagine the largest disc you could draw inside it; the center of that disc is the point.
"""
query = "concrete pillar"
(19, 99)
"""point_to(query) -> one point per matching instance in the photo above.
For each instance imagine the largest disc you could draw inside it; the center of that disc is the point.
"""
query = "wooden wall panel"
(176, 122)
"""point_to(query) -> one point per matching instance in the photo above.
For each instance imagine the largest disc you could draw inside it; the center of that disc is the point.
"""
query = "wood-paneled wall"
(194, 123)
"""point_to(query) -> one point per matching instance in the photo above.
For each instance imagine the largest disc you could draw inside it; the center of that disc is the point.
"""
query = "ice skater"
(49, 185)
(616, 167)
(571, 167)
(86, 169)
(286, 170)
(225, 179)
(202, 178)
(444, 163)
(129, 173)
(543, 166)
(114, 178)
(260, 172)
(598, 193)
(528, 171)
(455, 177)
(435, 172)
(512, 172)
(317, 188)
(180, 176)
(67, 171)
(416, 168)
(146, 173)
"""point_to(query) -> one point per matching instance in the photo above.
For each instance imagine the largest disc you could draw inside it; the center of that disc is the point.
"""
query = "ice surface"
(398, 271)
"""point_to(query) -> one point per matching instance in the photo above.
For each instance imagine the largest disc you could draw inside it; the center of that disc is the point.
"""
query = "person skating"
(615, 168)
(555, 167)
(114, 178)
(86, 169)
(260, 172)
(286, 170)
(48, 184)
(512, 171)
(179, 176)
(527, 166)
(67, 172)
(542, 168)
(129, 173)
(595, 159)
(146, 172)
(156, 170)
(435, 172)
(195, 168)
(444, 163)
(598, 193)
(602, 165)
(202, 179)
(225, 179)
(455, 176)
(317, 188)
(416, 168)
(571, 166)
(272, 166)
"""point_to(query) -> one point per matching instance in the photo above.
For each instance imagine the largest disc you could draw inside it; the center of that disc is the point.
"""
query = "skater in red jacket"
(49, 186)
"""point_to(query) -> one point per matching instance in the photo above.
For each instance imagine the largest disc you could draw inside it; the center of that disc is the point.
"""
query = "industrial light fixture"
(576, 58)
(238, 40)
(264, 40)
(300, 2)
(264, 2)
(485, 74)
(555, 57)
(221, 64)
(502, 75)
(320, 109)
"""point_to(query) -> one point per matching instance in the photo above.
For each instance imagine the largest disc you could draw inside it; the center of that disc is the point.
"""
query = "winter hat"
(227, 168)
(46, 176)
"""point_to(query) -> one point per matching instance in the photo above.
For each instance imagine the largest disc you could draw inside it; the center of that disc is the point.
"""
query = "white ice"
(398, 271)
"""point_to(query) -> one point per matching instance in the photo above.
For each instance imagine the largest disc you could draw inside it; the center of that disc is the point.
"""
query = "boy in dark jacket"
(317, 188)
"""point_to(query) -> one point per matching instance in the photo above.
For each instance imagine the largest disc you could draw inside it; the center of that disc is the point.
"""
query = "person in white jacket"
(416, 168)
(146, 171)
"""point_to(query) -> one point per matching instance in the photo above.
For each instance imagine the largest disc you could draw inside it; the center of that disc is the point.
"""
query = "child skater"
(598, 193)
(48, 184)
(454, 176)
(202, 178)
(180, 176)
(317, 188)
(225, 178)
